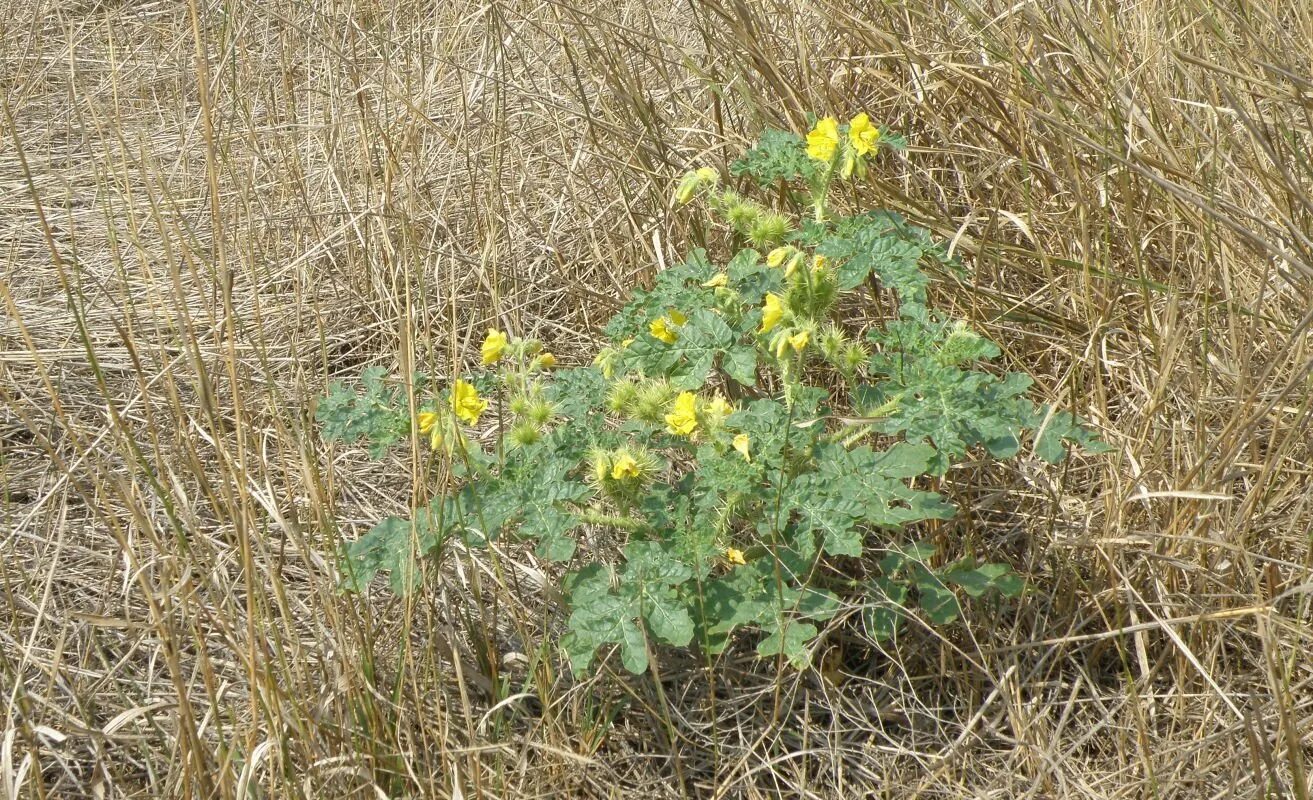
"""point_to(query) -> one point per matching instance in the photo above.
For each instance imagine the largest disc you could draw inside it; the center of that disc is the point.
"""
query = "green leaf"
(831, 507)
(779, 156)
(876, 481)
(377, 413)
(790, 638)
(935, 599)
(644, 594)
(973, 581)
(740, 363)
(884, 617)
(394, 545)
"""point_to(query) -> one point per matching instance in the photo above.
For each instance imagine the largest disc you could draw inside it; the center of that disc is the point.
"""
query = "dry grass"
(206, 212)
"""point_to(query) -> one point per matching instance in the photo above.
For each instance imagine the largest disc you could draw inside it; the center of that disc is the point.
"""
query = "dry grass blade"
(209, 210)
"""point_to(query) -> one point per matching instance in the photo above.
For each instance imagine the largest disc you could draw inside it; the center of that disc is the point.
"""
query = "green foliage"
(742, 436)
(780, 156)
(376, 414)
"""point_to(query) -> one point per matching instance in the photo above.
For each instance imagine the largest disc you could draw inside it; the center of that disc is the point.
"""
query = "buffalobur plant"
(748, 432)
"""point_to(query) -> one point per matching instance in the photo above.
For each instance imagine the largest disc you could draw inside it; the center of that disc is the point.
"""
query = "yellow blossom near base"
(664, 327)
(494, 345)
(863, 136)
(716, 410)
(660, 330)
(743, 444)
(428, 424)
(799, 340)
(823, 140)
(683, 418)
(735, 556)
(775, 258)
(771, 312)
(720, 281)
(545, 361)
(624, 467)
(467, 404)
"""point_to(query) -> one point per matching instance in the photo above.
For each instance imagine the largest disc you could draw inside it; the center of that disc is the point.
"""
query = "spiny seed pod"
(883, 409)
(962, 344)
(524, 433)
(620, 398)
(540, 412)
(599, 466)
(651, 400)
(769, 230)
(832, 342)
(519, 405)
(743, 216)
(855, 357)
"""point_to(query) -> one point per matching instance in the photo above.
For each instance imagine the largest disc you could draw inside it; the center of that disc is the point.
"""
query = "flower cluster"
(522, 359)
(827, 144)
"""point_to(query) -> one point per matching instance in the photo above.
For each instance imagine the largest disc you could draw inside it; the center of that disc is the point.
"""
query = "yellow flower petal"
(493, 346)
(716, 410)
(864, 136)
(683, 418)
(467, 404)
(735, 556)
(743, 444)
(823, 140)
(660, 330)
(799, 340)
(771, 312)
(624, 467)
(718, 282)
(776, 257)
(546, 361)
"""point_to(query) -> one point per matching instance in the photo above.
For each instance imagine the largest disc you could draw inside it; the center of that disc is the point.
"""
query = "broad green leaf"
(395, 545)
(790, 638)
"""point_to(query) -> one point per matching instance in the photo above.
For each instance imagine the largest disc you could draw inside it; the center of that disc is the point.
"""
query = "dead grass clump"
(210, 211)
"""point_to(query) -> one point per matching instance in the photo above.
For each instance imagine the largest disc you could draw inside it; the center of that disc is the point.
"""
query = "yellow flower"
(661, 328)
(864, 136)
(771, 312)
(718, 282)
(818, 263)
(716, 410)
(623, 467)
(467, 404)
(799, 340)
(493, 346)
(662, 331)
(776, 257)
(743, 444)
(823, 140)
(708, 175)
(546, 361)
(734, 556)
(428, 423)
(683, 418)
